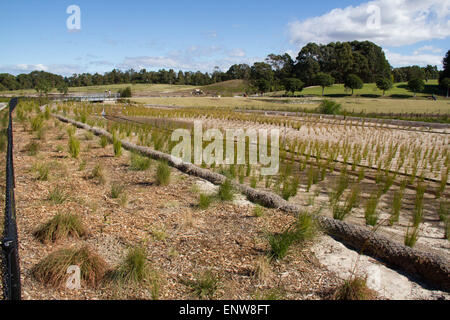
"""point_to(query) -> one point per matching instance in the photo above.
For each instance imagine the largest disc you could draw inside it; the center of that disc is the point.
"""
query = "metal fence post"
(10, 243)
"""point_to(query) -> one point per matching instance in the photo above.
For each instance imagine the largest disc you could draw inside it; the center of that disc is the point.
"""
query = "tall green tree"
(416, 85)
(324, 80)
(353, 82)
(384, 84)
(445, 84)
(292, 85)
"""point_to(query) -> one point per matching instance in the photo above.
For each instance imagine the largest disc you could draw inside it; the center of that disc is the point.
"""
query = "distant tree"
(43, 87)
(125, 93)
(63, 89)
(263, 85)
(384, 85)
(353, 82)
(445, 83)
(446, 63)
(416, 85)
(293, 84)
(323, 80)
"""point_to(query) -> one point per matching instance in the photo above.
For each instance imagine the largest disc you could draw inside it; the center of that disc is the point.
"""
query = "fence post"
(10, 243)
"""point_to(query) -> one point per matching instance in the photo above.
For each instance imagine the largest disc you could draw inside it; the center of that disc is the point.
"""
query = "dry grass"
(60, 227)
(52, 270)
(354, 289)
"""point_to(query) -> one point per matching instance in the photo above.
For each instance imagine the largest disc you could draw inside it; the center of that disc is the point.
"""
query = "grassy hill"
(227, 88)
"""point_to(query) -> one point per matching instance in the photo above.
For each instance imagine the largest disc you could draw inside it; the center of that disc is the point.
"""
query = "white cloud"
(431, 49)
(417, 58)
(236, 53)
(402, 22)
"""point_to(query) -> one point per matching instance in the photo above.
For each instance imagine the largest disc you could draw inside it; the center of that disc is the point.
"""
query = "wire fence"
(10, 242)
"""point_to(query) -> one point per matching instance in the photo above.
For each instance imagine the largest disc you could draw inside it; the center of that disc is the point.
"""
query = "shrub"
(139, 163)
(226, 191)
(163, 173)
(329, 107)
(125, 93)
(74, 146)
(59, 227)
(52, 270)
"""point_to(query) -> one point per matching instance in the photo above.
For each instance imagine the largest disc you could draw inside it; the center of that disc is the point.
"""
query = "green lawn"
(370, 90)
(114, 88)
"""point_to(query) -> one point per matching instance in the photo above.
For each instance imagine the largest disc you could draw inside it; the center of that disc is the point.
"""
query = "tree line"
(351, 63)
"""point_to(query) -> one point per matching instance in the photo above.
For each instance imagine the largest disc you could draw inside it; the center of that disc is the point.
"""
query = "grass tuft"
(354, 289)
(163, 173)
(52, 270)
(138, 162)
(204, 286)
(59, 227)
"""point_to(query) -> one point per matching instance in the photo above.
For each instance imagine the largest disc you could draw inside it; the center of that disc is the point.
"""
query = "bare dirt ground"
(181, 240)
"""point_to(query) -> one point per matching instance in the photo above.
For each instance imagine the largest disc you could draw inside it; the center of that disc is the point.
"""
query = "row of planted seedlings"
(344, 196)
(315, 159)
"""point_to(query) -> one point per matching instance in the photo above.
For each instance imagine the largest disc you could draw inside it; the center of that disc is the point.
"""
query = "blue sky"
(199, 35)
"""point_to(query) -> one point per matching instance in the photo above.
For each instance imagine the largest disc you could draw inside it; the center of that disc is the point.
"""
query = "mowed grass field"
(351, 104)
(399, 90)
(139, 87)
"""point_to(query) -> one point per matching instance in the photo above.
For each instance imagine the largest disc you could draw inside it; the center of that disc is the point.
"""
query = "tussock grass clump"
(226, 191)
(371, 214)
(205, 201)
(57, 195)
(117, 145)
(258, 211)
(116, 190)
(354, 289)
(71, 130)
(163, 173)
(42, 171)
(74, 147)
(134, 268)
(304, 229)
(418, 205)
(270, 295)
(444, 215)
(411, 236)
(61, 226)
(204, 286)
(396, 207)
(103, 141)
(32, 148)
(138, 162)
(98, 174)
(3, 141)
(37, 123)
(52, 270)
